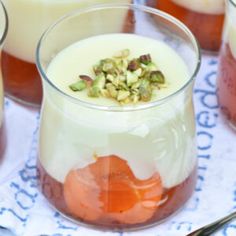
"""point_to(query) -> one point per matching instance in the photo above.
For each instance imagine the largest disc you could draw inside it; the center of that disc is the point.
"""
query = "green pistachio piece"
(122, 78)
(97, 69)
(126, 101)
(151, 66)
(122, 95)
(116, 81)
(135, 98)
(97, 85)
(121, 66)
(136, 85)
(105, 93)
(122, 54)
(155, 85)
(78, 86)
(157, 77)
(112, 90)
(131, 78)
(110, 77)
(108, 65)
(145, 59)
(138, 72)
(135, 91)
(133, 65)
(94, 92)
(86, 78)
(145, 91)
(99, 82)
(123, 86)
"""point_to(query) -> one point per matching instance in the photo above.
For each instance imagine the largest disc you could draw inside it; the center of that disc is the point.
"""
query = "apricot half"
(109, 189)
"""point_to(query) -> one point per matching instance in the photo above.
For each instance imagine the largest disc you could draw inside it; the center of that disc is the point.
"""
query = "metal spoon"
(213, 227)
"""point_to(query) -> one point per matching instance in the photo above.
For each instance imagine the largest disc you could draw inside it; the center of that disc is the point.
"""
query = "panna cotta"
(28, 20)
(119, 160)
(227, 66)
(204, 18)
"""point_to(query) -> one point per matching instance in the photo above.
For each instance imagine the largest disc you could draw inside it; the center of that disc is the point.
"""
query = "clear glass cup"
(28, 20)
(204, 18)
(227, 66)
(3, 32)
(117, 167)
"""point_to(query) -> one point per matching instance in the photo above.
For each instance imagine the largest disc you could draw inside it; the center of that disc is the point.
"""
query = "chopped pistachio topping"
(157, 76)
(123, 79)
(86, 78)
(145, 59)
(78, 86)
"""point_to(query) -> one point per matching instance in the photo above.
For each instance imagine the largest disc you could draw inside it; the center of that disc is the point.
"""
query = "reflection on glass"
(104, 159)
(227, 66)
(3, 32)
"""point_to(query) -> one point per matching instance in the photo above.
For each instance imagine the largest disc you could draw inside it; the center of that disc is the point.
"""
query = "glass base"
(107, 229)
(172, 200)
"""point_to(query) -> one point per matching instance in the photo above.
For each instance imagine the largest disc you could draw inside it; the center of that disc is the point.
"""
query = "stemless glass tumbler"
(118, 166)
(28, 20)
(3, 32)
(204, 18)
(227, 66)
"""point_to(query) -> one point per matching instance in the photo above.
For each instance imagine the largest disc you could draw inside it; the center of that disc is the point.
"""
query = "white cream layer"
(28, 19)
(157, 139)
(203, 6)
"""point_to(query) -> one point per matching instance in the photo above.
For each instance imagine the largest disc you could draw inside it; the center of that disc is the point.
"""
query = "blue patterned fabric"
(25, 211)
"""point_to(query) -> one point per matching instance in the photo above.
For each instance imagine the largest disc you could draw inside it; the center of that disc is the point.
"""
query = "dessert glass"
(28, 20)
(227, 66)
(3, 32)
(204, 18)
(117, 167)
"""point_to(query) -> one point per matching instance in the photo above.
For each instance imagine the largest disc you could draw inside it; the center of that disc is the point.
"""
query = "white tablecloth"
(25, 211)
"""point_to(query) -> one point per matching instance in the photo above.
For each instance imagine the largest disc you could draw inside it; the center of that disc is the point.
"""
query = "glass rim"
(6, 23)
(232, 2)
(133, 7)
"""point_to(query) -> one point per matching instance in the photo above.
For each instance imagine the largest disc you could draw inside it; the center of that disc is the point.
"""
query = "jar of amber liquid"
(3, 32)
(117, 134)
(227, 66)
(204, 18)
(28, 19)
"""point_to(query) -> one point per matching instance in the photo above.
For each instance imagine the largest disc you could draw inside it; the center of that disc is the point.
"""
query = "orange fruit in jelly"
(109, 189)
